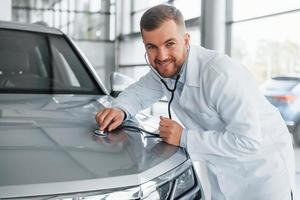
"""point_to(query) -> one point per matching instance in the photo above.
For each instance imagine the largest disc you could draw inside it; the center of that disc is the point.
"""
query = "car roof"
(287, 77)
(36, 27)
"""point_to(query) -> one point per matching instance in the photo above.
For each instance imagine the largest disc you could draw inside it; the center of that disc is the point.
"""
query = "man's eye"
(149, 47)
(170, 44)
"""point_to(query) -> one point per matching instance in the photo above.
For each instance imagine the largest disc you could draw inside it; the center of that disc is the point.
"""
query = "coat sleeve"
(232, 93)
(140, 95)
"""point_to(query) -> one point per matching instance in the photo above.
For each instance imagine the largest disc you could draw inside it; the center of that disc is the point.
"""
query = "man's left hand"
(170, 131)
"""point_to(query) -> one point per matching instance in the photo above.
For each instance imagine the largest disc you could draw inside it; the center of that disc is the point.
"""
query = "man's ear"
(187, 39)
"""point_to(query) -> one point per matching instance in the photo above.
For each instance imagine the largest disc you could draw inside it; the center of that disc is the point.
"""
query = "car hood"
(47, 146)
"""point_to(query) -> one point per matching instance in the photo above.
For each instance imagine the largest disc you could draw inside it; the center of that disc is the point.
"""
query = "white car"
(49, 95)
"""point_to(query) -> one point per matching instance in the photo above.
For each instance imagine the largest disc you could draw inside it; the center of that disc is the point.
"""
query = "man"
(227, 122)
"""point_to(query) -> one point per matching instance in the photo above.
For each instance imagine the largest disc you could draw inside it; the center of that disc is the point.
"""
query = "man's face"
(166, 48)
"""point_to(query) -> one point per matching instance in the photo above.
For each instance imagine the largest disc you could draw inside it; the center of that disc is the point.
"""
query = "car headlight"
(178, 186)
(171, 185)
(184, 182)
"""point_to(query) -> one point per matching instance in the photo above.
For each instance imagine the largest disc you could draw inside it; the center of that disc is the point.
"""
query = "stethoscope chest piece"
(100, 133)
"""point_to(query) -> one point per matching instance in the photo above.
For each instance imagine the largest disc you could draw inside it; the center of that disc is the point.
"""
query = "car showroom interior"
(150, 99)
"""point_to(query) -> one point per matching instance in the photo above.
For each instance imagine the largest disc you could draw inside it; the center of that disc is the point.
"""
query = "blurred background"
(264, 35)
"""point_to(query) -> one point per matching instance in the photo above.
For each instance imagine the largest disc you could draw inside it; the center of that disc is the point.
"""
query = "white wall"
(5, 10)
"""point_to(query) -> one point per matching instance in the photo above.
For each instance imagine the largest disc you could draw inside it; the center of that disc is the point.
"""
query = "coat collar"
(191, 72)
(192, 75)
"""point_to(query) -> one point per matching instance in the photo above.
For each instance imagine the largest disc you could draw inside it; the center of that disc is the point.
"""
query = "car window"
(280, 85)
(42, 63)
(73, 81)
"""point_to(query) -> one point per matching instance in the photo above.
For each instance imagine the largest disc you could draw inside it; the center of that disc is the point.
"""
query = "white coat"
(228, 124)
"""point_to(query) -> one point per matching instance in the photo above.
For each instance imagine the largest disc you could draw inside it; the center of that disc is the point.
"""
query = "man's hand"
(109, 118)
(170, 131)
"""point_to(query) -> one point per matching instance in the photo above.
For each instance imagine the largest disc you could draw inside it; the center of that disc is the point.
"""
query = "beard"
(167, 68)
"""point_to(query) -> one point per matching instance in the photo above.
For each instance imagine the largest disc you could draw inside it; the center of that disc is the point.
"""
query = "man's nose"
(162, 54)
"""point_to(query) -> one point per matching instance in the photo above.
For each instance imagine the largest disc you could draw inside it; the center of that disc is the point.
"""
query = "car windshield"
(280, 85)
(42, 63)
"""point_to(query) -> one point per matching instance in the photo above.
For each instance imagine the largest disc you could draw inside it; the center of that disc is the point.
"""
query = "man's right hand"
(109, 118)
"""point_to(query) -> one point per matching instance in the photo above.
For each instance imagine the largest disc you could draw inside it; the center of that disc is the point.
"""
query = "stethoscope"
(164, 82)
(100, 133)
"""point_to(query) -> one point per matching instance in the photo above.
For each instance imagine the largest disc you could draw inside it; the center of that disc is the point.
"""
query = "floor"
(297, 159)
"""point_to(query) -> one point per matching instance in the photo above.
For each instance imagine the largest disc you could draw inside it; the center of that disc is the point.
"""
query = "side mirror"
(119, 82)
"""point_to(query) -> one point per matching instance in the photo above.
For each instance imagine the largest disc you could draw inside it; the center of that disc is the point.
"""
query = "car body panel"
(29, 27)
(48, 141)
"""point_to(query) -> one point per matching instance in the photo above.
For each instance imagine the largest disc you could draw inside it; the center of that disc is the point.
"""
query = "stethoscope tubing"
(164, 82)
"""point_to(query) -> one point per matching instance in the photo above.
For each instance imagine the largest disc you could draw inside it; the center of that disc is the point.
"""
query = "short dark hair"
(154, 17)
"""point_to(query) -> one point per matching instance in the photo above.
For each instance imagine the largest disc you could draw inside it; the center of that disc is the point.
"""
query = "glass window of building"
(82, 20)
(266, 40)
